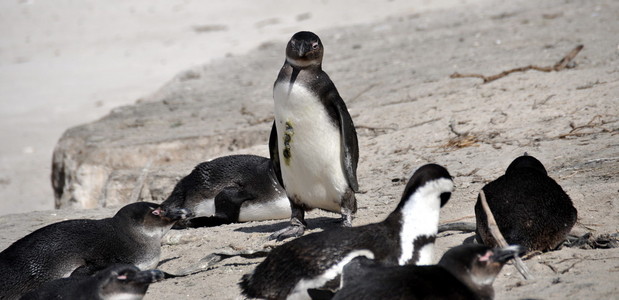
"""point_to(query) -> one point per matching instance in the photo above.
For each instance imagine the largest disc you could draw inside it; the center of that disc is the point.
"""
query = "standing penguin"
(115, 282)
(313, 143)
(83, 247)
(406, 236)
(228, 189)
(530, 208)
(464, 272)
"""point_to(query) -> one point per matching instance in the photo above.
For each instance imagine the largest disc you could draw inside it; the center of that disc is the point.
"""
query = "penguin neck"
(483, 290)
(416, 220)
(140, 234)
(303, 64)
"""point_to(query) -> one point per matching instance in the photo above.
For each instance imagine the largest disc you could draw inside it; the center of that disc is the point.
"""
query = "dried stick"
(560, 65)
(498, 236)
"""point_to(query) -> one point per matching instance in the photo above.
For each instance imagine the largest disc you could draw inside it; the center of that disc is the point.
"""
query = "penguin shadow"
(323, 223)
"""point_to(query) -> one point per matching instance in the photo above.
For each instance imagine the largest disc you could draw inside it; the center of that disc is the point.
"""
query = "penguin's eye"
(314, 46)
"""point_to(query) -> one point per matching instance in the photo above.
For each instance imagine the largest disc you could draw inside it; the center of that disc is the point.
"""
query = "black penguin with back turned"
(115, 282)
(229, 189)
(83, 247)
(406, 236)
(464, 272)
(313, 143)
(530, 208)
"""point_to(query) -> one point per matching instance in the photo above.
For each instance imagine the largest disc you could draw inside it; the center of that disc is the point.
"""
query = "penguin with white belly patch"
(464, 272)
(115, 282)
(83, 247)
(230, 189)
(313, 143)
(406, 236)
(530, 208)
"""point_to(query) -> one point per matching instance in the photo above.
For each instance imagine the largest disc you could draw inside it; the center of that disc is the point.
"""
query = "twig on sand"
(596, 121)
(498, 236)
(457, 226)
(560, 65)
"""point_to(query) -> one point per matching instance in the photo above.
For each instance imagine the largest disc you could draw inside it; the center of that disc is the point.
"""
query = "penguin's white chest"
(310, 149)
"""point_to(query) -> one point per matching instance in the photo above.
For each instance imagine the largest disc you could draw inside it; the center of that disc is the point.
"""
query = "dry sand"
(65, 63)
(403, 103)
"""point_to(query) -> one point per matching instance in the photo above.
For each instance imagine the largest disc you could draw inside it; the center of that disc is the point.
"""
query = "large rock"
(140, 151)
(394, 77)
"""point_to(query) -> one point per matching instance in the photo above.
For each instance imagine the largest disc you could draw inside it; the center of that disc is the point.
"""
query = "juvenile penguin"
(313, 143)
(464, 272)
(229, 189)
(406, 236)
(82, 247)
(530, 208)
(115, 282)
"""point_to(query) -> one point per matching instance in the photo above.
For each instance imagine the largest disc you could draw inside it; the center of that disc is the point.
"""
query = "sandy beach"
(203, 73)
(67, 63)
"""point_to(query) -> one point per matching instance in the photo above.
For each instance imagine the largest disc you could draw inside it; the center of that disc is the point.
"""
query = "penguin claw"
(291, 231)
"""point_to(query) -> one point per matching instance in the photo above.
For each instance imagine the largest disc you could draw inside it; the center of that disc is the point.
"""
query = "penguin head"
(526, 161)
(125, 281)
(437, 179)
(477, 265)
(304, 49)
(150, 217)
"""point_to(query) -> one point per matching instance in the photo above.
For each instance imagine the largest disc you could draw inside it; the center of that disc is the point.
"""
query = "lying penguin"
(115, 282)
(229, 189)
(530, 208)
(406, 236)
(464, 272)
(83, 247)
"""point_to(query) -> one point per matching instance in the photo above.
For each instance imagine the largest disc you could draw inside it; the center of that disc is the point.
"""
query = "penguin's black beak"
(176, 214)
(303, 49)
(148, 276)
(502, 255)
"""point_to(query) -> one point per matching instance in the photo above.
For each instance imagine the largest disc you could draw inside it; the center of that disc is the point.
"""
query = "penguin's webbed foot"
(296, 229)
(292, 231)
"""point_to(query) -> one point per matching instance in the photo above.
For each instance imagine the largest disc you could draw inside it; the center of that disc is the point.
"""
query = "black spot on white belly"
(288, 133)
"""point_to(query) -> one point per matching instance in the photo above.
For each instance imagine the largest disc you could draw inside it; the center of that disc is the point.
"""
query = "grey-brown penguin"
(116, 282)
(313, 141)
(530, 208)
(230, 189)
(83, 247)
(464, 272)
(406, 236)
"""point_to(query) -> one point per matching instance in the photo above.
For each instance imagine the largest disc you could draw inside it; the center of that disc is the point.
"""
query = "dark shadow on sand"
(323, 223)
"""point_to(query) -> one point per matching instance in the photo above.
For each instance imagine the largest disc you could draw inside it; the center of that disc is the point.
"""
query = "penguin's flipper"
(228, 202)
(85, 270)
(297, 224)
(319, 294)
(274, 153)
(350, 145)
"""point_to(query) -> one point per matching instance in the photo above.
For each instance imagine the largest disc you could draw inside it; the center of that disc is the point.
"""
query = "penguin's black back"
(311, 255)
(530, 208)
(115, 281)
(79, 247)
(49, 253)
(405, 282)
(248, 172)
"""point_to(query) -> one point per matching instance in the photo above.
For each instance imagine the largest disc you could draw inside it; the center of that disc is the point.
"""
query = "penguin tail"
(247, 287)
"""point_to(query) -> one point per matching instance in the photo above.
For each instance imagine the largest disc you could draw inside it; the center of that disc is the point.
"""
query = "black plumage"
(303, 69)
(530, 208)
(308, 257)
(231, 182)
(464, 272)
(83, 247)
(115, 282)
